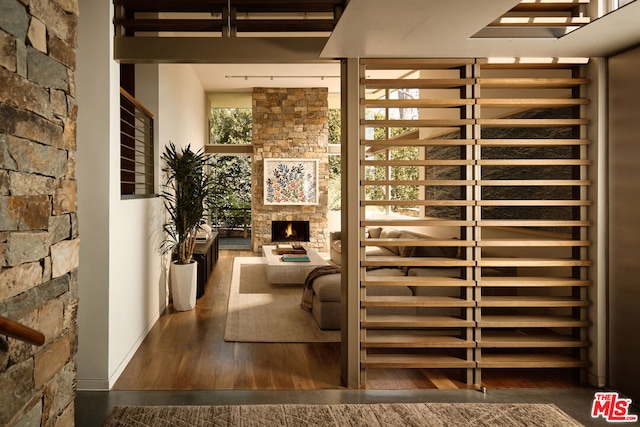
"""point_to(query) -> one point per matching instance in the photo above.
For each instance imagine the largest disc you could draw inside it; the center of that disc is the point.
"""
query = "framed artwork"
(290, 181)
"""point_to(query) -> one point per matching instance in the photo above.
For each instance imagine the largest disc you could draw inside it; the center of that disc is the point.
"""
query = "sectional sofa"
(327, 289)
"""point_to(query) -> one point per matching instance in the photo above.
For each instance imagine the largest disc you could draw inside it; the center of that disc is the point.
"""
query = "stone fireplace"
(290, 123)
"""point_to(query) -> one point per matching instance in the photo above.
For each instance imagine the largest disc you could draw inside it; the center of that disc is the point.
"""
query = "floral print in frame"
(290, 182)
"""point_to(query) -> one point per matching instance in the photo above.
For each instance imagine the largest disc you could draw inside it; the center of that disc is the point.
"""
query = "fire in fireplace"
(289, 231)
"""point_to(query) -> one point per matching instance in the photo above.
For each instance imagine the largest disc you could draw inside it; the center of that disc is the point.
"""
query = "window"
(231, 213)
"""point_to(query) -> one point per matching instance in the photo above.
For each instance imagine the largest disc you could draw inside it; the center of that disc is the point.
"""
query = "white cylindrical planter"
(183, 285)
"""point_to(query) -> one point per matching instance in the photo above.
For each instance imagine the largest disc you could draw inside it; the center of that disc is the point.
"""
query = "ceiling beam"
(209, 50)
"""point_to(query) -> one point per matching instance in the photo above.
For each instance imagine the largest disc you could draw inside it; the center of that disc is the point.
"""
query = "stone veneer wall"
(290, 123)
(39, 243)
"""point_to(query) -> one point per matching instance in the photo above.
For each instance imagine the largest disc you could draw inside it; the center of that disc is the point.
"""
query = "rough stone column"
(290, 123)
(39, 243)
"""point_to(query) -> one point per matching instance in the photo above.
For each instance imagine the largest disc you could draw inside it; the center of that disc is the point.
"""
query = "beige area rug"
(260, 312)
(392, 414)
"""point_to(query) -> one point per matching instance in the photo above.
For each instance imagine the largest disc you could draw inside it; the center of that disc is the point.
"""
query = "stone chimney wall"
(290, 123)
(39, 244)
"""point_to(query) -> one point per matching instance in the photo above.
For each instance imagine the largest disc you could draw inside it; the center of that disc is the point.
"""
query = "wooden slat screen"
(489, 162)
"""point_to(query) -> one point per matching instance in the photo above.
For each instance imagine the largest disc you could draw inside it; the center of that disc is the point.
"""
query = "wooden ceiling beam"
(216, 25)
(213, 6)
(173, 25)
(242, 6)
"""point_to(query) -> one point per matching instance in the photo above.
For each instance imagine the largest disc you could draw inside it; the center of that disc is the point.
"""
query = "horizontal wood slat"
(523, 321)
(416, 242)
(444, 182)
(412, 64)
(531, 243)
(411, 340)
(534, 162)
(415, 223)
(533, 282)
(530, 361)
(384, 143)
(416, 103)
(532, 82)
(530, 301)
(406, 321)
(417, 83)
(415, 281)
(414, 301)
(533, 203)
(532, 102)
(417, 203)
(533, 182)
(417, 123)
(417, 162)
(530, 123)
(424, 361)
(516, 339)
(532, 262)
(531, 142)
(394, 261)
(532, 223)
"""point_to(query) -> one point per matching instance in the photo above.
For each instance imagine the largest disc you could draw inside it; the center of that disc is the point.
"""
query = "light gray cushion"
(390, 233)
(326, 313)
(374, 232)
(379, 251)
(327, 287)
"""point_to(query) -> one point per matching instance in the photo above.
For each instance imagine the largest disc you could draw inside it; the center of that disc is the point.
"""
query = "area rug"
(391, 414)
(261, 312)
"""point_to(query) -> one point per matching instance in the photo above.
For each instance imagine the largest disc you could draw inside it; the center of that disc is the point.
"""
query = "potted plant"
(187, 194)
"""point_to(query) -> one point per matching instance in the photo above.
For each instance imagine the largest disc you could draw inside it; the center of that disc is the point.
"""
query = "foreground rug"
(392, 414)
(260, 312)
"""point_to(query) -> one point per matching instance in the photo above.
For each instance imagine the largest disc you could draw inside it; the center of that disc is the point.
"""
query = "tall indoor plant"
(187, 194)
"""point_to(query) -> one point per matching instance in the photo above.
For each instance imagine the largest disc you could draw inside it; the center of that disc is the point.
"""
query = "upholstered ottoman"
(326, 296)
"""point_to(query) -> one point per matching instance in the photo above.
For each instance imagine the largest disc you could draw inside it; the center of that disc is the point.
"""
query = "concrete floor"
(92, 408)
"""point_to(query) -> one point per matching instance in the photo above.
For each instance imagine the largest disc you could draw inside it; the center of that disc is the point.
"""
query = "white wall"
(137, 288)
(183, 119)
(122, 277)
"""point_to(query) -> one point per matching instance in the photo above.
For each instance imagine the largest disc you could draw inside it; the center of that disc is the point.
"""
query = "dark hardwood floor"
(187, 351)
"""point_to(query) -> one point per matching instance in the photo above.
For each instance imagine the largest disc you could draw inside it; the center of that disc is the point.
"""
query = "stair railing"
(19, 331)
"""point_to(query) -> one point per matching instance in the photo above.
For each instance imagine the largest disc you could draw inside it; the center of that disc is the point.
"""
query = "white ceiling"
(437, 28)
(424, 28)
(216, 77)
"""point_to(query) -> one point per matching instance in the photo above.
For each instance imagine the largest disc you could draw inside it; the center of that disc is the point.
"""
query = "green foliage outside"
(230, 126)
(231, 174)
(334, 125)
(396, 173)
(335, 184)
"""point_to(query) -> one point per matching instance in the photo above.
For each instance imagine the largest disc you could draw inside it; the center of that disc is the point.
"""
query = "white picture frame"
(291, 181)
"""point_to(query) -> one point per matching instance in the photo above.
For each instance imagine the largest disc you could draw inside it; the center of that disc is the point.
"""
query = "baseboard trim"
(107, 384)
